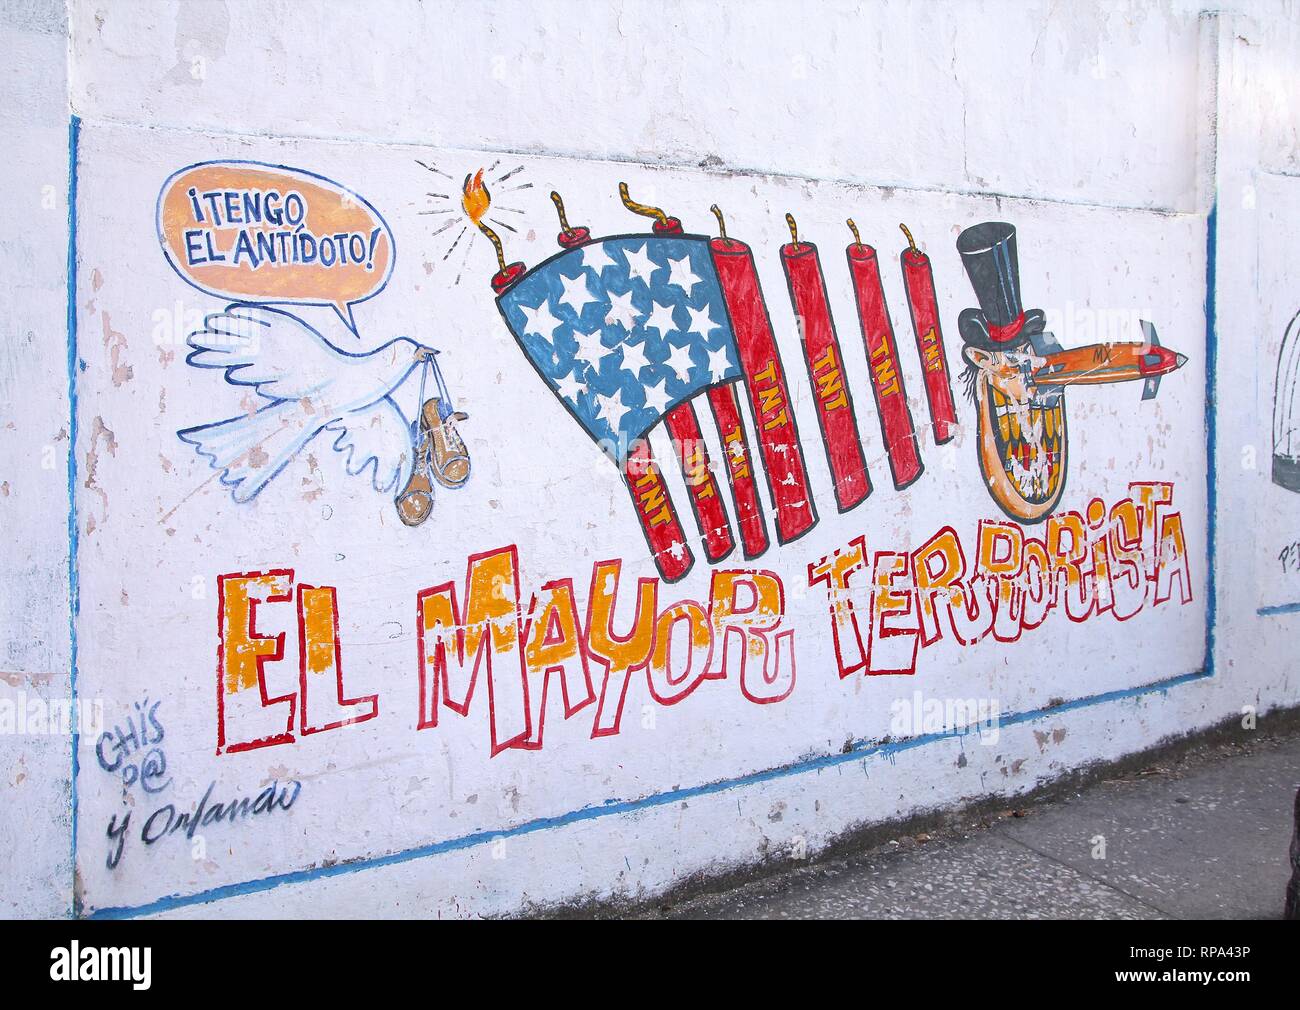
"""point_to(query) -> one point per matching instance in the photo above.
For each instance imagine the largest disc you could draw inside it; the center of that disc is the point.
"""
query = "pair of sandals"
(440, 454)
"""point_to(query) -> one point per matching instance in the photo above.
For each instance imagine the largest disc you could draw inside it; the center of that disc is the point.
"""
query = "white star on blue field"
(625, 329)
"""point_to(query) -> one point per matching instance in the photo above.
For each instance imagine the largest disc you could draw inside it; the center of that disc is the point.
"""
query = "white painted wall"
(1104, 134)
(35, 834)
(1258, 102)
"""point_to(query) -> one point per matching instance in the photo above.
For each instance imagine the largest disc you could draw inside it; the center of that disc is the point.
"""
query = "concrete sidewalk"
(1201, 836)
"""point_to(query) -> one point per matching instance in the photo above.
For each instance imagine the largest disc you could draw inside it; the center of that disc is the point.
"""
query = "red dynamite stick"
(778, 436)
(663, 532)
(918, 278)
(740, 472)
(821, 352)
(684, 429)
(882, 358)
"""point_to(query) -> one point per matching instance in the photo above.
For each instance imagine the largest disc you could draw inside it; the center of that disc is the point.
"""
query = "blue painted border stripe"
(74, 586)
(1211, 430)
(1281, 608)
(860, 751)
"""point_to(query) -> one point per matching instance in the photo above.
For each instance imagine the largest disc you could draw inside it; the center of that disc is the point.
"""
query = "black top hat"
(988, 251)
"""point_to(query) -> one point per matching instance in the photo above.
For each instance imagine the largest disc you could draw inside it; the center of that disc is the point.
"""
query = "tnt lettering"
(932, 354)
(830, 381)
(650, 499)
(882, 366)
(736, 458)
(771, 403)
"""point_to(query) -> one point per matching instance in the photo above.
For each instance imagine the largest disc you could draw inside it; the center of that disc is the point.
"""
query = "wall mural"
(1286, 410)
(1271, 439)
(627, 331)
(696, 365)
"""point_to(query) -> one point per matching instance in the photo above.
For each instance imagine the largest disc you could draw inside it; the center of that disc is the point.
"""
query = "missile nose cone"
(1180, 360)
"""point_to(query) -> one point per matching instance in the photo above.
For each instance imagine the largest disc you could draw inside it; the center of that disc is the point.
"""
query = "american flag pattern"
(624, 329)
(629, 331)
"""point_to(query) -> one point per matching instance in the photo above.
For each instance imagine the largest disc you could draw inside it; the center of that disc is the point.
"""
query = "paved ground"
(1203, 836)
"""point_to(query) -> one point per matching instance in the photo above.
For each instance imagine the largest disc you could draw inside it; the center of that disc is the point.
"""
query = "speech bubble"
(254, 232)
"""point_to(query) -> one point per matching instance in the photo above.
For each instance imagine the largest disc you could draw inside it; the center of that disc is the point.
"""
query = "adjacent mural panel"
(425, 493)
(1274, 461)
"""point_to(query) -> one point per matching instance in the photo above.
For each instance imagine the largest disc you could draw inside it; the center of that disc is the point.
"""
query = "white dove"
(313, 387)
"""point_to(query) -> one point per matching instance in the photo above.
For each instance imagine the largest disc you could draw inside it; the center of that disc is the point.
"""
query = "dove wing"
(274, 351)
(377, 440)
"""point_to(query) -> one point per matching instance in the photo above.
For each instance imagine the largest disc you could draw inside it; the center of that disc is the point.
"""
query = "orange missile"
(1094, 364)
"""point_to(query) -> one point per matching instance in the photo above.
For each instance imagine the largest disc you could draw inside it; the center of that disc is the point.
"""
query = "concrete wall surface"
(467, 459)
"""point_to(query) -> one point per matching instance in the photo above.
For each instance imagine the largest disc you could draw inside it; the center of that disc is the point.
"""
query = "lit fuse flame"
(475, 201)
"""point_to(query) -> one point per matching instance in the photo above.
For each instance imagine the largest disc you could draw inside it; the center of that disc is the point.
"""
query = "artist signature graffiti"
(124, 750)
(1289, 557)
(167, 820)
